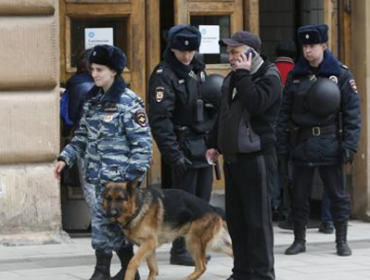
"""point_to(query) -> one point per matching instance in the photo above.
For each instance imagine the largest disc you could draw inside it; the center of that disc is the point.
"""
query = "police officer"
(322, 103)
(114, 138)
(245, 135)
(181, 116)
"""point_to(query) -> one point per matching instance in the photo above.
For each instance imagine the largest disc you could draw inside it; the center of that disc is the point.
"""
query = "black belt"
(315, 131)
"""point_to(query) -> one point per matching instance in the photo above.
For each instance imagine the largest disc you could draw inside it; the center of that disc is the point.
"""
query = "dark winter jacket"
(317, 140)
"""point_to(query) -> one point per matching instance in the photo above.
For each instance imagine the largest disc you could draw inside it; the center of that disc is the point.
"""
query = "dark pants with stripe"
(332, 178)
(249, 182)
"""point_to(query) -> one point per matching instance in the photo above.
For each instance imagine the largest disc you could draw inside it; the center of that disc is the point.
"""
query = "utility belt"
(316, 131)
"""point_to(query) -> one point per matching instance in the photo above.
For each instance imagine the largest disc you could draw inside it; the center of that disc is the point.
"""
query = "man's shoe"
(326, 228)
(343, 250)
(296, 248)
(182, 259)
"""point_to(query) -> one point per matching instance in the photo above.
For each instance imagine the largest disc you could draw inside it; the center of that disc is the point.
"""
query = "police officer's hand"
(181, 165)
(58, 169)
(347, 155)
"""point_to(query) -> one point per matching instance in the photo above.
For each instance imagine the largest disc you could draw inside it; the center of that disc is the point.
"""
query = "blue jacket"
(113, 137)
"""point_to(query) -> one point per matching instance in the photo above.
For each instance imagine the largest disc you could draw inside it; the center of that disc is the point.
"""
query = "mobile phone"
(250, 51)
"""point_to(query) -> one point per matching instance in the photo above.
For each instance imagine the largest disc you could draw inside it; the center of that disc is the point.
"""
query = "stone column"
(361, 70)
(30, 210)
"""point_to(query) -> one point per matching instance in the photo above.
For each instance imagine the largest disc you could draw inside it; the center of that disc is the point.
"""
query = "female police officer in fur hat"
(321, 101)
(180, 117)
(115, 141)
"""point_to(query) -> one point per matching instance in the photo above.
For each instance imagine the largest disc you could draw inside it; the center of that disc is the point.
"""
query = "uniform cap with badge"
(110, 56)
(313, 34)
(184, 37)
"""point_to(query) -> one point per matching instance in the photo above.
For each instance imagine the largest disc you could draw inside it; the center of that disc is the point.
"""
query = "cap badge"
(186, 42)
(307, 36)
(94, 53)
(108, 117)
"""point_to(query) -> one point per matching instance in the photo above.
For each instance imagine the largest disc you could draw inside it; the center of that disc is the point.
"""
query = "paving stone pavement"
(75, 260)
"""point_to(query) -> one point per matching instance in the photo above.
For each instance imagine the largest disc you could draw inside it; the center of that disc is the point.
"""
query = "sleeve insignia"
(353, 85)
(159, 71)
(141, 118)
(159, 94)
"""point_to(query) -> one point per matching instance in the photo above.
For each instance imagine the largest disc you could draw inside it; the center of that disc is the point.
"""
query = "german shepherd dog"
(150, 217)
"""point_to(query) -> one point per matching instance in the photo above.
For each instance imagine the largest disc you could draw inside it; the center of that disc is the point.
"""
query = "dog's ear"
(133, 185)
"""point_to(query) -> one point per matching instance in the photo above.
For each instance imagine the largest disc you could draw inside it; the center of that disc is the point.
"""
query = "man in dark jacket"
(245, 135)
(322, 103)
(180, 116)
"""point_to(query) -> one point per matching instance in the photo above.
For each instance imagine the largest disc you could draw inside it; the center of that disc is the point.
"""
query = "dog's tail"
(221, 242)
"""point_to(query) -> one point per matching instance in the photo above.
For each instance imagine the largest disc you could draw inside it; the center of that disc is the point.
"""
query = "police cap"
(110, 56)
(184, 37)
(313, 34)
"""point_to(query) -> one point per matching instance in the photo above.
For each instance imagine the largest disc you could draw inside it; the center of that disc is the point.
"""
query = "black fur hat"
(110, 56)
(184, 37)
(313, 34)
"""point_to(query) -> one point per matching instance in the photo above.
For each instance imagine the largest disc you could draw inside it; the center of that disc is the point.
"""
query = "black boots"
(343, 249)
(299, 244)
(102, 268)
(179, 253)
(125, 255)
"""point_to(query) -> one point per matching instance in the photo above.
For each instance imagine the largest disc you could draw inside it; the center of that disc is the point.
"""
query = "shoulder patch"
(353, 85)
(159, 71)
(141, 118)
(159, 94)
(344, 66)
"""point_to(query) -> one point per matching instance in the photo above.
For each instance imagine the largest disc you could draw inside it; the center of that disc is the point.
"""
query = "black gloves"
(181, 165)
(347, 155)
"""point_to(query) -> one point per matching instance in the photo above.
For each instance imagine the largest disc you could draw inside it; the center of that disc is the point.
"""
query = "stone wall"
(29, 121)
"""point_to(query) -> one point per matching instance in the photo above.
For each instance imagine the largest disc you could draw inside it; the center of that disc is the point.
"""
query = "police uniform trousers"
(249, 180)
(197, 181)
(332, 178)
(106, 235)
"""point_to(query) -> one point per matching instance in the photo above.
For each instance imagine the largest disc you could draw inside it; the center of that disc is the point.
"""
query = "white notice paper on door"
(210, 37)
(98, 36)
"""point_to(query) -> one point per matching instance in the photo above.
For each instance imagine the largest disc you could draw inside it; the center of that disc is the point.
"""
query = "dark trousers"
(248, 214)
(195, 181)
(332, 178)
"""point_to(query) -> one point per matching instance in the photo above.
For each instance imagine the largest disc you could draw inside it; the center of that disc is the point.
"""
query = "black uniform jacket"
(296, 121)
(179, 118)
(260, 95)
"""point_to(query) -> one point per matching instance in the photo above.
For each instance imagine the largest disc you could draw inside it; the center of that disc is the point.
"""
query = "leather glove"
(181, 165)
(347, 155)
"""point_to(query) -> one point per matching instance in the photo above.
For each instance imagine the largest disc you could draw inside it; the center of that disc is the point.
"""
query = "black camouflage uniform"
(319, 142)
(180, 118)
